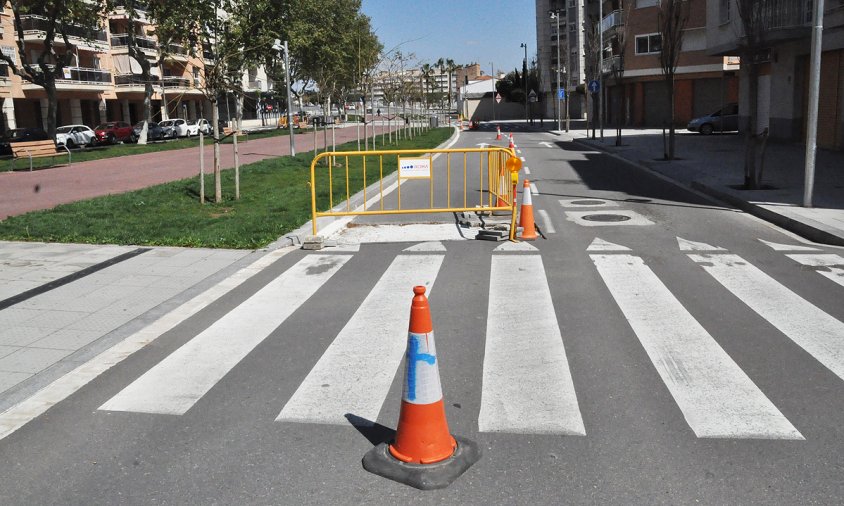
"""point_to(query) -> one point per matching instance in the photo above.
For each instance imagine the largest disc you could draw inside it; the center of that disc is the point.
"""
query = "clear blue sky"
(463, 30)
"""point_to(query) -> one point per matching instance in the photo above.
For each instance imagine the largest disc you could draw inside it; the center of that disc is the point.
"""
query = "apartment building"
(416, 83)
(569, 43)
(104, 83)
(784, 65)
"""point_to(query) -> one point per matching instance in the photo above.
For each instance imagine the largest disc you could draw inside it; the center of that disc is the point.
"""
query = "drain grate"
(587, 202)
(605, 217)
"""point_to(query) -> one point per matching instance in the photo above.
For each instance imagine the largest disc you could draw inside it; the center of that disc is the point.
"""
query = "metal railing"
(175, 82)
(177, 49)
(33, 23)
(122, 40)
(134, 80)
(80, 75)
(777, 14)
(611, 20)
(613, 62)
(451, 179)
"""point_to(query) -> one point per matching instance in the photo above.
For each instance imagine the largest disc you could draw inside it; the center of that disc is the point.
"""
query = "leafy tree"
(671, 21)
(44, 62)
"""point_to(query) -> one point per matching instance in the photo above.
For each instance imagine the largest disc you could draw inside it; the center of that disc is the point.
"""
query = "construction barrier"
(431, 180)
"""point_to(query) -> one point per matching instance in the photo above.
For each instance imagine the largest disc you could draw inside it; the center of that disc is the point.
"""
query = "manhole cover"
(588, 202)
(605, 217)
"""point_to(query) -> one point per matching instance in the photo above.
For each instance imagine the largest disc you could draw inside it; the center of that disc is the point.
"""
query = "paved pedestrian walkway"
(714, 165)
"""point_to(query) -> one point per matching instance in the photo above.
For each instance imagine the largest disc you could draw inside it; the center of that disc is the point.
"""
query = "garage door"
(707, 96)
(657, 110)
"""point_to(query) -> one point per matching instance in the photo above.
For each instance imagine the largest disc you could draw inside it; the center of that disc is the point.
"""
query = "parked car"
(722, 120)
(178, 127)
(204, 126)
(154, 131)
(73, 136)
(193, 127)
(20, 135)
(114, 132)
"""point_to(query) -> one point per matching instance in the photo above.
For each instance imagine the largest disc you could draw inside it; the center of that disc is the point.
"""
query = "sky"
(464, 30)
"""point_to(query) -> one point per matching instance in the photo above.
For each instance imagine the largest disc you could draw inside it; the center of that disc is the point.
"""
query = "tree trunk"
(751, 178)
(50, 88)
(619, 112)
(671, 120)
(215, 117)
(238, 112)
(147, 111)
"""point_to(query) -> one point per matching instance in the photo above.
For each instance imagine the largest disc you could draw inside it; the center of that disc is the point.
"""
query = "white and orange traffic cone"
(498, 133)
(512, 144)
(424, 454)
(526, 215)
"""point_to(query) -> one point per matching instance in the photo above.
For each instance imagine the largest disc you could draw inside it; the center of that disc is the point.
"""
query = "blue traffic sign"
(561, 93)
(594, 86)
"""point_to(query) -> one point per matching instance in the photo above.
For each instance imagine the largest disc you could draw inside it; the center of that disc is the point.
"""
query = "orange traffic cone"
(512, 145)
(424, 454)
(526, 215)
(498, 134)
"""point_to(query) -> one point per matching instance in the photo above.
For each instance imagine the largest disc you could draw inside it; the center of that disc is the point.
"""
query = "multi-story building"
(415, 84)
(784, 65)
(104, 83)
(570, 44)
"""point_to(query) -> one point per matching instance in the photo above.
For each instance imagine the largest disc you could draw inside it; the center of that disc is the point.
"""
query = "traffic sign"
(561, 93)
(532, 96)
(594, 86)
(498, 97)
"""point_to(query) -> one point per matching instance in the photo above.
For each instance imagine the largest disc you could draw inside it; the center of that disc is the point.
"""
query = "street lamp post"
(524, 77)
(601, 67)
(492, 74)
(279, 47)
(555, 14)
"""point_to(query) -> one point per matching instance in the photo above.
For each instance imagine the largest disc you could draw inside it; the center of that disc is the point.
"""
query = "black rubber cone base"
(380, 461)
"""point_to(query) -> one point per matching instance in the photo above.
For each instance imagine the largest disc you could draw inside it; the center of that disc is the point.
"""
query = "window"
(648, 44)
(646, 3)
(572, 4)
(572, 27)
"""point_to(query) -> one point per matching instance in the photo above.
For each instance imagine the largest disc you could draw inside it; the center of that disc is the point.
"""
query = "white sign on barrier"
(414, 168)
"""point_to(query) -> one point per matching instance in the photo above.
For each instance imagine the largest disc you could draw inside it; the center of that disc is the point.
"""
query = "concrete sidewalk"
(714, 165)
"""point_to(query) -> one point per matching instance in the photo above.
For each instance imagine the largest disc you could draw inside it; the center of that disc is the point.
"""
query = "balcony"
(133, 82)
(146, 44)
(77, 78)
(35, 28)
(175, 82)
(612, 20)
(177, 51)
(121, 11)
(784, 14)
(607, 64)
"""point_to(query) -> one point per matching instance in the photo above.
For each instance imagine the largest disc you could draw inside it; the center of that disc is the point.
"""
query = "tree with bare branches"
(671, 20)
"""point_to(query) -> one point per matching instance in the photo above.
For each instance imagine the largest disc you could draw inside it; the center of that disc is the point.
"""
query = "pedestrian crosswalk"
(526, 383)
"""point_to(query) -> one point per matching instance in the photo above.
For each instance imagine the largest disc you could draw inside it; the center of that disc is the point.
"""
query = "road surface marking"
(22, 413)
(633, 218)
(716, 397)
(527, 171)
(829, 265)
(176, 383)
(527, 385)
(516, 246)
(533, 189)
(787, 247)
(354, 374)
(547, 226)
(821, 335)
(427, 246)
(522, 158)
(602, 245)
(686, 245)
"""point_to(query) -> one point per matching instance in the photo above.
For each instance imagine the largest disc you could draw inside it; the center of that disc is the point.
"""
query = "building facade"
(569, 43)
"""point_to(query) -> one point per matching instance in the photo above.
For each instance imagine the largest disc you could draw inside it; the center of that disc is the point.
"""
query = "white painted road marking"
(686, 245)
(527, 170)
(716, 397)
(527, 385)
(602, 245)
(821, 335)
(547, 226)
(516, 246)
(174, 385)
(534, 190)
(831, 266)
(427, 246)
(354, 374)
(787, 247)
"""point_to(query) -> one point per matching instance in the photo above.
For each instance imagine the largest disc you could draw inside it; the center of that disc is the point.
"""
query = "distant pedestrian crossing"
(526, 385)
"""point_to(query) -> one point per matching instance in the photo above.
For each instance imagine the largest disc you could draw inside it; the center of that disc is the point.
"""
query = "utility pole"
(814, 85)
(492, 74)
(524, 77)
(601, 66)
(555, 14)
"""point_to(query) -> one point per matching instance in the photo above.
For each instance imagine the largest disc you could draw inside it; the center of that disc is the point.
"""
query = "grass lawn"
(275, 199)
(116, 150)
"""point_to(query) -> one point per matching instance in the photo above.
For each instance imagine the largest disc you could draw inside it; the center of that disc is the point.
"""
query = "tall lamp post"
(524, 77)
(492, 74)
(555, 14)
(279, 47)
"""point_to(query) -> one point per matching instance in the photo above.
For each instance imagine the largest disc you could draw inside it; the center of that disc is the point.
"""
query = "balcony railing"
(122, 40)
(33, 23)
(611, 20)
(175, 82)
(80, 75)
(777, 14)
(177, 49)
(126, 80)
(607, 64)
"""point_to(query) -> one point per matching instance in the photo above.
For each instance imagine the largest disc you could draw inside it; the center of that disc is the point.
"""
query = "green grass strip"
(275, 199)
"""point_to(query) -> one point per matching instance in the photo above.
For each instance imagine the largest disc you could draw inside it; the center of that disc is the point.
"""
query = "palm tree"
(450, 67)
(427, 76)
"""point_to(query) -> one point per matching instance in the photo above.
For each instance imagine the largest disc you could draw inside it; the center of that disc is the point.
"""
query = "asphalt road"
(698, 365)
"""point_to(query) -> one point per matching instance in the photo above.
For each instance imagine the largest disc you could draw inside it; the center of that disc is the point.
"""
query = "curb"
(816, 233)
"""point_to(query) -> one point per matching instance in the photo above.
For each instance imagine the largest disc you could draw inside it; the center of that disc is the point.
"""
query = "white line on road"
(354, 374)
(534, 190)
(821, 335)
(527, 384)
(22, 413)
(522, 158)
(527, 170)
(716, 397)
(174, 385)
(830, 266)
(547, 226)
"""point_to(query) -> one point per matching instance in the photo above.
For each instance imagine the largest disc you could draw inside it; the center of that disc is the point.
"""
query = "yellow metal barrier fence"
(450, 174)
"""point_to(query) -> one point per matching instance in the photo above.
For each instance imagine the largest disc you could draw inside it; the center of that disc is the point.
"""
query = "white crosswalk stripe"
(355, 372)
(716, 397)
(527, 385)
(830, 266)
(821, 335)
(181, 379)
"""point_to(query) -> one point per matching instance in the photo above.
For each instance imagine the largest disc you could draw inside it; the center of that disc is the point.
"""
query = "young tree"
(617, 68)
(44, 62)
(593, 55)
(672, 18)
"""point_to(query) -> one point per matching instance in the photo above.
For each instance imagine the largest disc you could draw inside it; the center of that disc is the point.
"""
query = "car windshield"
(166, 123)
(191, 122)
(64, 130)
(105, 126)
